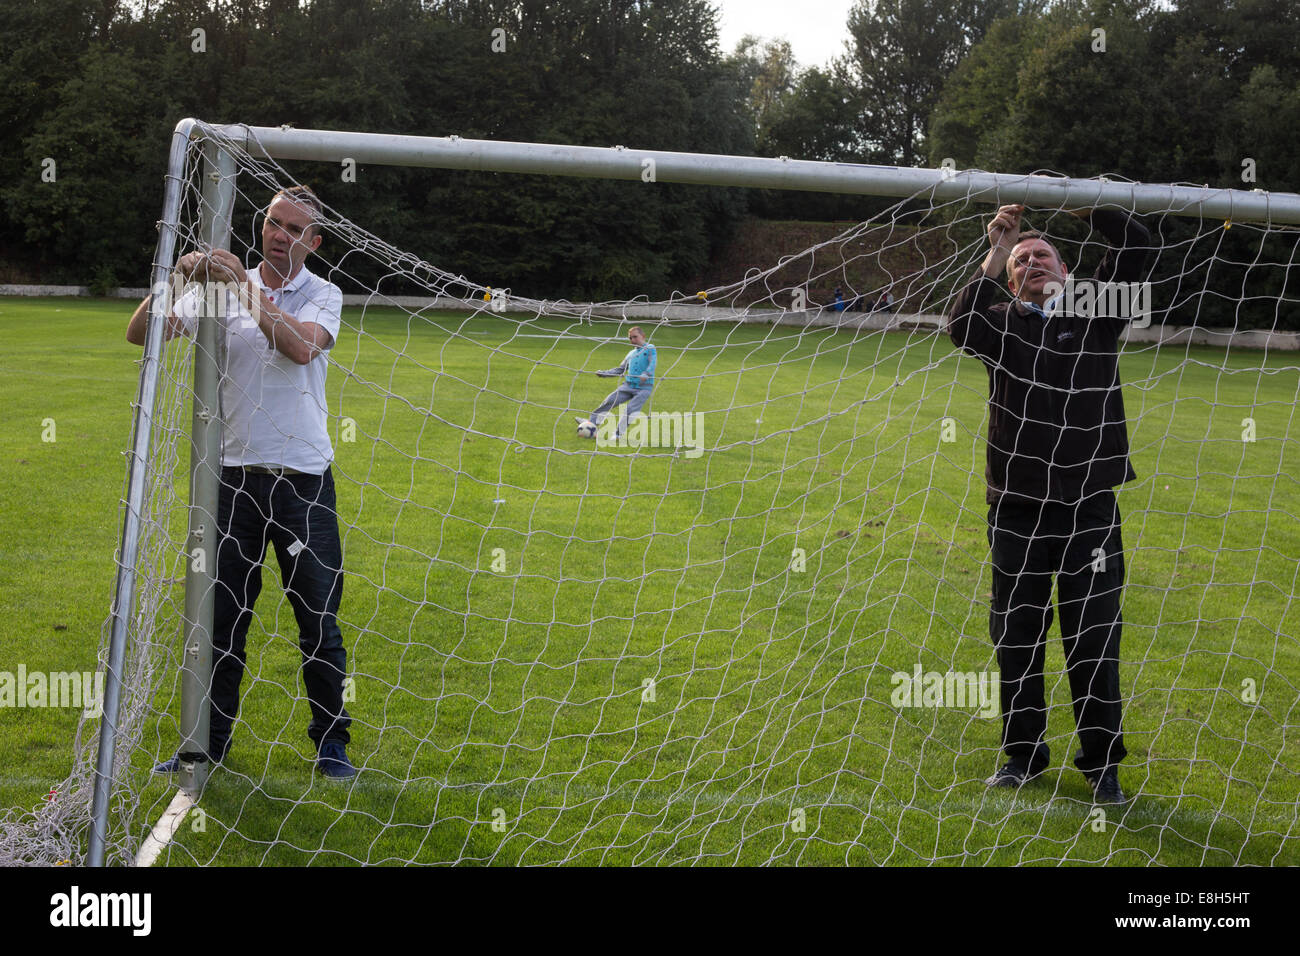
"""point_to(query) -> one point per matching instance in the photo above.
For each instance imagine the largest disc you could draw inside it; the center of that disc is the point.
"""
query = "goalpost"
(560, 655)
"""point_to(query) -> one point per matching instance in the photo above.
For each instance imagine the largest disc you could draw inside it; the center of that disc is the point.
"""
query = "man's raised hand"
(225, 266)
(213, 265)
(193, 266)
(1003, 231)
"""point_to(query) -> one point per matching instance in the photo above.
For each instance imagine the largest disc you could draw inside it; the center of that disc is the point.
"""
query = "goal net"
(754, 628)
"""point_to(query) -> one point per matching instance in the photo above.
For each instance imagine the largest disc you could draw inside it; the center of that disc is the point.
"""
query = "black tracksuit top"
(1057, 429)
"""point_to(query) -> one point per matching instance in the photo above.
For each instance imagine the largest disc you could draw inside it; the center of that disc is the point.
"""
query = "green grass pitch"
(623, 662)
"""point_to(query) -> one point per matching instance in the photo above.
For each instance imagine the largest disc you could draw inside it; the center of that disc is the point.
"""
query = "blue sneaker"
(169, 766)
(174, 764)
(334, 762)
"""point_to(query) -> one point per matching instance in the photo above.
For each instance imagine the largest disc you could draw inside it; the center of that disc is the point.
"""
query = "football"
(586, 429)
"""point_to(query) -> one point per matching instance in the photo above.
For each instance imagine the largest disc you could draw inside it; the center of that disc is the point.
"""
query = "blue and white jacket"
(638, 362)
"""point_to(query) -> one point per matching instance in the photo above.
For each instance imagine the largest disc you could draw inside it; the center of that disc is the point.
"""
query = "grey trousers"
(635, 398)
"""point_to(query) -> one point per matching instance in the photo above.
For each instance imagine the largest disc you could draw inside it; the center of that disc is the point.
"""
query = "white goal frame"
(453, 152)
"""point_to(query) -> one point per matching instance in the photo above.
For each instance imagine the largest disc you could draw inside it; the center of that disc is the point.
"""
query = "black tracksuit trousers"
(1080, 545)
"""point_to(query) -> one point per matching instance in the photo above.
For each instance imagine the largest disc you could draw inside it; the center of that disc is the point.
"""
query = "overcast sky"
(815, 28)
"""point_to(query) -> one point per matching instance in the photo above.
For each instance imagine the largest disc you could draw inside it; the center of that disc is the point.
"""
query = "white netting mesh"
(566, 651)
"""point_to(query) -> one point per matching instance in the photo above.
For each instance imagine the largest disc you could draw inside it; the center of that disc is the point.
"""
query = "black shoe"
(1010, 775)
(1105, 786)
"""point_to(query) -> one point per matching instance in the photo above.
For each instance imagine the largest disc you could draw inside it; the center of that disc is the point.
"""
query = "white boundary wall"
(1174, 335)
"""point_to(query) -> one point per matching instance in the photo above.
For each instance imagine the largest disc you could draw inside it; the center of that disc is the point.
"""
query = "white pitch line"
(164, 829)
(561, 335)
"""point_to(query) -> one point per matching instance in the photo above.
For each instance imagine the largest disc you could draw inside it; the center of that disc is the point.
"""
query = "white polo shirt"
(274, 409)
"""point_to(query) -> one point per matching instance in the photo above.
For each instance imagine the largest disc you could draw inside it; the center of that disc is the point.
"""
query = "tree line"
(1198, 91)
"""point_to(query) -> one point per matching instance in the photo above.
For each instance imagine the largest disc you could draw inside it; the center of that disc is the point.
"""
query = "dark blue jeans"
(1080, 546)
(296, 514)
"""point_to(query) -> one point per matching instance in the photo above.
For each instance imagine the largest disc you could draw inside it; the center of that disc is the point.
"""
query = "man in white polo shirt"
(276, 484)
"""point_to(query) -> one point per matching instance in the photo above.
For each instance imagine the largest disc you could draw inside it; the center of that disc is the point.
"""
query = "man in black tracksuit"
(1057, 447)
